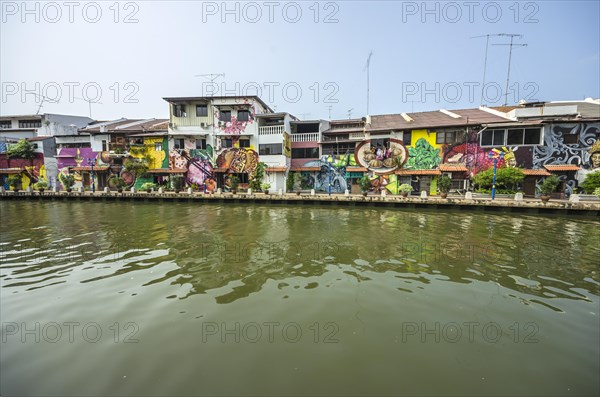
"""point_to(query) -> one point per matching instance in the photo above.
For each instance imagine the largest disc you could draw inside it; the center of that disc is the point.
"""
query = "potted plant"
(148, 186)
(234, 182)
(265, 187)
(405, 189)
(195, 187)
(365, 185)
(40, 186)
(548, 186)
(14, 181)
(257, 176)
(444, 183)
(178, 183)
(68, 181)
(119, 183)
(290, 181)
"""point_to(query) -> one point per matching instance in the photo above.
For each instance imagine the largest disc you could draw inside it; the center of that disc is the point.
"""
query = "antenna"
(44, 98)
(211, 76)
(487, 43)
(329, 108)
(367, 66)
(350, 113)
(511, 45)
(89, 101)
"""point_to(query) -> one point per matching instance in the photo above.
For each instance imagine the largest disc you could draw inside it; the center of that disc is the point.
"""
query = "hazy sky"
(304, 56)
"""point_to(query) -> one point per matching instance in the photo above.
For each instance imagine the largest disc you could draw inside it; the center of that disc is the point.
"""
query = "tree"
(22, 150)
(549, 185)
(444, 183)
(138, 167)
(591, 182)
(507, 178)
(290, 181)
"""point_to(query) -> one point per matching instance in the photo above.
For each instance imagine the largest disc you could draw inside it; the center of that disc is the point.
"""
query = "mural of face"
(595, 160)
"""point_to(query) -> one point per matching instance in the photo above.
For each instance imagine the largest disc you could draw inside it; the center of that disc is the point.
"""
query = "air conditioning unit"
(172, 125)
(203, 125)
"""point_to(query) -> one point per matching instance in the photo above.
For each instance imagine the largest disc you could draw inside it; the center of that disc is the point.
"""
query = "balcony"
(271, 130)
(308, 137)
(359, 136)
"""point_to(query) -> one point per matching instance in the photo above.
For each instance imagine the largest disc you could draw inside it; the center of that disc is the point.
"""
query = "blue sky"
(423, 54)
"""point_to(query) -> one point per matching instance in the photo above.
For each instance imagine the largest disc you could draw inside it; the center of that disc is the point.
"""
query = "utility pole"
(329, 108)
(367, 66)
(511, 45)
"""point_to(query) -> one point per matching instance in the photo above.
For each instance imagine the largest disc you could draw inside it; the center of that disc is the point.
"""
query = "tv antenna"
(487, 44)
(43, 99)
(350, 113)
(89, 101)
(329, 109)
(211, 76)
(511, 45)
(367, 66)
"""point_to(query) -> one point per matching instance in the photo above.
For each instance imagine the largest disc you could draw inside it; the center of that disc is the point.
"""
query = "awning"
(276, 169)
(168, 171)
(306, 169)
(86, 168)
(418, 172)
(536, 172)
(562, 167)
(10, 170)
(221, 169)
(356, 169)
(453, 168)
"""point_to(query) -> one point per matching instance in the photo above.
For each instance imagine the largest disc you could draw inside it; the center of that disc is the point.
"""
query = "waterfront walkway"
(528, 205)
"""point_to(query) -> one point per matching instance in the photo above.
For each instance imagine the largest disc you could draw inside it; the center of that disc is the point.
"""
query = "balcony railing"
(307, 137)
(357, 135)
(271, 130)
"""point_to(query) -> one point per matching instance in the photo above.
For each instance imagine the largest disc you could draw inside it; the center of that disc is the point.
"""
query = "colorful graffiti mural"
(238, 160)
(235, 126)
(381, 160)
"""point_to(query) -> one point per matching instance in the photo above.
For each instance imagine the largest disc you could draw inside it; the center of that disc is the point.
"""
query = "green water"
(219, 299)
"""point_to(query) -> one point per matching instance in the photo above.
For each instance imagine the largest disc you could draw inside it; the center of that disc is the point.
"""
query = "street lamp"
(92, 163)
(495, 155)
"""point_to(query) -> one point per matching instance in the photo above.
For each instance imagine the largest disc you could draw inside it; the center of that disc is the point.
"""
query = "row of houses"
(208, 139)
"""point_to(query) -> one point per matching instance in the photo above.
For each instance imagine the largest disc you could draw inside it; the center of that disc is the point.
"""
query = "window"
(178, 143)
(492, 138)
(225, 115)
(201, 144)
(270, 149)
(179, 111)
(158, 147)
(380, 143)
(511, 137)
(533, 136)
(242, 177)
(571, 139)
(406, 137)
(243, 115)
(338, 149)
(30, 123)
(5, 124)
(226, 143)
(201, 111)
(449, 137)
(305, 153)
(104, 146)
(244, 142)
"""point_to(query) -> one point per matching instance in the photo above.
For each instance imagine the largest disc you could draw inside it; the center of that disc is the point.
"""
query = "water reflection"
(237, 249)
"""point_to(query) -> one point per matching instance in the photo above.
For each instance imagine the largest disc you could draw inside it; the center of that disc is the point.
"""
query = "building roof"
(418, 172)
(536, 172)
(125, 126)
(453, 167)
(562, 167)
(210, 98)
(433, 119)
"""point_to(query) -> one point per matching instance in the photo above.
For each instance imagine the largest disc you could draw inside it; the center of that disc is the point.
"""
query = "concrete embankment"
(564, 207)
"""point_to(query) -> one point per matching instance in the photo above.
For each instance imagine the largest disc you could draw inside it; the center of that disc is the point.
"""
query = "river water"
(235, 299)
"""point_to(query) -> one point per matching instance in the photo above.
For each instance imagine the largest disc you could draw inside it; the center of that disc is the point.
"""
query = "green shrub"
(22, 150)
(41, 184)
(405, 188)
(365, 184)
(444, 183)
(14, 181)
(257, 177)
(591, 182)
(68, 181)
(148, 186)
(507, 178)
(549, 185)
